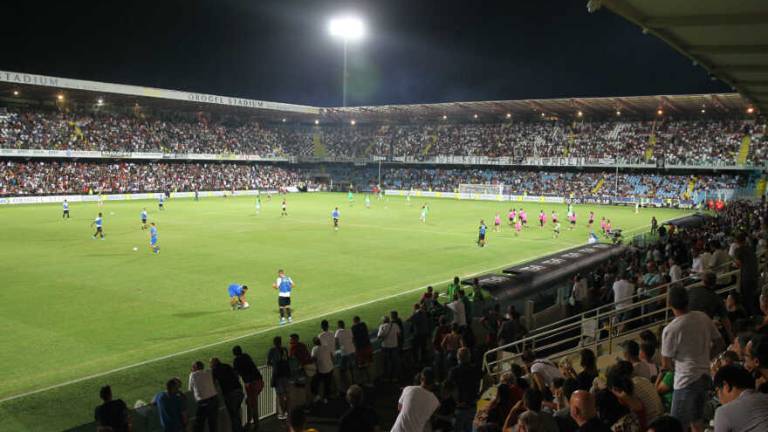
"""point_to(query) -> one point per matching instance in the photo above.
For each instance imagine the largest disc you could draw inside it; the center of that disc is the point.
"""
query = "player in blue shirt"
(237, 296)
(160, 202)
(144, 219)
(481, 234)
(284, 285)
(335, 216)
(98, 222)
(65, 209)
(153, 238)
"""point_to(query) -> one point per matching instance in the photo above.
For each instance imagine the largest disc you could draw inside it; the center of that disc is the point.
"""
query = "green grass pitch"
(73, 307)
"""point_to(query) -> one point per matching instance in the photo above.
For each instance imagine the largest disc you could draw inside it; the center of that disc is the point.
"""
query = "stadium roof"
(36, 88)
(728, 38)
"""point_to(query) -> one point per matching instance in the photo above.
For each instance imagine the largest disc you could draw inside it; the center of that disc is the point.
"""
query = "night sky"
(280, 50)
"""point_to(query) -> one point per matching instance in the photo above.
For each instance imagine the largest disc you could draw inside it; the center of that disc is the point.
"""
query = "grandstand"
(547, 326)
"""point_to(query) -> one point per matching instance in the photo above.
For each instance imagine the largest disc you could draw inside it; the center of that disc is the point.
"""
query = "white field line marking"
(265, 330)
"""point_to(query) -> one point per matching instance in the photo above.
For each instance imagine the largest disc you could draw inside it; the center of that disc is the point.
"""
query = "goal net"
(477, 189)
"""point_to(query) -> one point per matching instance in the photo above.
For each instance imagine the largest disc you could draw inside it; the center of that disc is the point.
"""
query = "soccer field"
(71, 306)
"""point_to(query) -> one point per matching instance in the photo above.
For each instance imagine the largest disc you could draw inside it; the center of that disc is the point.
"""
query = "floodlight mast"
(348, 29)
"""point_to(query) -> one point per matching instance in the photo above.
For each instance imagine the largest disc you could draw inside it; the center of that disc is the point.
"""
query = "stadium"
(531, 264)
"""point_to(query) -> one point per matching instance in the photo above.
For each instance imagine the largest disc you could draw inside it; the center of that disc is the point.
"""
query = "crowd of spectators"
(705, 141)
(66, 177)
(19, 177)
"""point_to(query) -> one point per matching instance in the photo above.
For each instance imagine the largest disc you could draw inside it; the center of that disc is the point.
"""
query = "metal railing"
(597, 327)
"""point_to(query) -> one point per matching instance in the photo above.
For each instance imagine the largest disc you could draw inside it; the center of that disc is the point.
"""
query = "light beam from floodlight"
(348, 29)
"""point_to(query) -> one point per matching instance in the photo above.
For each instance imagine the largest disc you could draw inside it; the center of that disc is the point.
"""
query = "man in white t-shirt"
(325, 336)
(388, 334)
(417, 404)
(688, 341)
(346, 346)
(623, 291)
(675, 272)
(540, 369)
(323, 358)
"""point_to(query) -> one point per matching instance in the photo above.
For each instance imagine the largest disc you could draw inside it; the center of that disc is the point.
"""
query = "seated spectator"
(643, 390)
(665, 424)
(171, 407)
(647, 353)
(359, 417)
(756, 361)
(540, 371)
(531, 403)
(565, 422)
(497, 409)
(621, 385)
(742, 408)
(615, 415)
(632, 355)
(297, 421)
(665, 388)
(530, 421)
(417, 404)
(112, 413)
(584, 412)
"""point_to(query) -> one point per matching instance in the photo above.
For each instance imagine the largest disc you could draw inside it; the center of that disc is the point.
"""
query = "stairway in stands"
(598, 185)
(741, 158)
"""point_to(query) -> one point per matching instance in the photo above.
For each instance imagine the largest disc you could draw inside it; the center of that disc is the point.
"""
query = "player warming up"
(98, 222)
(481, 233)
(368, 201)
(556, 231)
(237, 296)
(284, 207)
(572, 220)
(144, 219)
(258, 204)
(161, 202)
(284, 285)
(591, 219)
(518, 226)
(497, 223)
(335, 216)
(153, 238)
(424, 213)
(65, 210)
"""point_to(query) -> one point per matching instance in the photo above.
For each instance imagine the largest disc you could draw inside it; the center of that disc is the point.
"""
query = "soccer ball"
(245, 305)
(135, 248)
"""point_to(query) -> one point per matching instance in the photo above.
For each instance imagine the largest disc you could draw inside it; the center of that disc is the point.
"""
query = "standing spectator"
(589, 371)
(675, 272)
(299, 355)
(742, 408)
(325, 336)
(451, 344)
(388, 335)
(112, 413)
(688, 341)
(746, 260)
(204, 390)
(458, 311)
(254, 382)
(323, 357)
(394, 318)
(623, 291)
(363, 349)
(756, 361)
(453, 288)
(439, 334)
(579, 293)
(419, 321)
(171, 407)
(359, 417)
(277, 358)
(584, 412)
(417, 404)
(231, 391)
(512, 329)
(532, 403)
(346, 345)
(647, 352)
(463, 382)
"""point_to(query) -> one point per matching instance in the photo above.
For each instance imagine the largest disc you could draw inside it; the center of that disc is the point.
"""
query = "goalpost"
(481, 189)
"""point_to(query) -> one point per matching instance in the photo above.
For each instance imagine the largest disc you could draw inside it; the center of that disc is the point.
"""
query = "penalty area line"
(269, 329)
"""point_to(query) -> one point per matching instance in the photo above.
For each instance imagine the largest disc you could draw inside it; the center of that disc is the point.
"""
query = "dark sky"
(279, 50)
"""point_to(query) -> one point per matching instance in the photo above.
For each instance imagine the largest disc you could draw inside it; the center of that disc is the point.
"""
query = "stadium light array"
(580, 114)
(347, 28)
(15, 92)
(750, 110)
(317, 122)
(445, 117)
(283, 120)
(509, 115)
(660, 112)
(618, 113)
(474, 116)
(352, 122)
(100, 102)
(60, 97)
(703, 111)
(542, 114)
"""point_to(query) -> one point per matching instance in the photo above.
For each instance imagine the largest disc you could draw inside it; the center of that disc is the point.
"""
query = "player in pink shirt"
(518, 227)
(542, 219)
(497, 223)
(602, 224)
(511, 216)
(608, 227)
(591, 219)
(554, 217)
(572, 220)
(523, 217)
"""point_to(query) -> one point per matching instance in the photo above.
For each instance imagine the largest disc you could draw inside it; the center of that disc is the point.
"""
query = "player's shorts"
(335, 221)
(573, 222)
(98, 229)
(153, 242)
(554, 220)
(66, 212)
(497, 223)
(481, 237)
(143, 221)
(283, 301)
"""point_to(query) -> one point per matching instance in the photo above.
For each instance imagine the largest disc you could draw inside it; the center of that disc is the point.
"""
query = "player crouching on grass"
(237, 296)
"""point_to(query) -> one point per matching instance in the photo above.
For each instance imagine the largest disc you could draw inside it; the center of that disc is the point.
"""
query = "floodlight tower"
(348, 29)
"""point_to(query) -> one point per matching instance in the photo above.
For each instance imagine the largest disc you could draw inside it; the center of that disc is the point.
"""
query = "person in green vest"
(454, 287)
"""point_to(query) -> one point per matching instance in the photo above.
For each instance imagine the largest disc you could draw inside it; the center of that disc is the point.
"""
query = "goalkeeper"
(237, 296)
